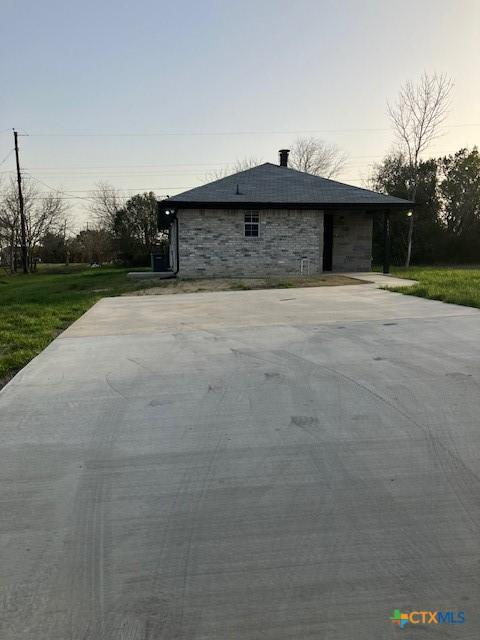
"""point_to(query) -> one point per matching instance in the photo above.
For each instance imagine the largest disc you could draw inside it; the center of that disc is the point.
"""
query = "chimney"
(283, 153)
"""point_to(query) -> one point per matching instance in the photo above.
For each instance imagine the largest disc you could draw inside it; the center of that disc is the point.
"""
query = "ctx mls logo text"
(401, 618)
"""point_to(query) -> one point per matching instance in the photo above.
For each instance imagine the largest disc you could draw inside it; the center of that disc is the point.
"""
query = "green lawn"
(34, 308)
(456, 285)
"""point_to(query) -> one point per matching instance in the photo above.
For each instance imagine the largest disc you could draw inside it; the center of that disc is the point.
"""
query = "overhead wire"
(7, 157)
(224, 133)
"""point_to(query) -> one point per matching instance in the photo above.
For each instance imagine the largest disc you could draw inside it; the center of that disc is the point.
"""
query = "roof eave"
(365, 206)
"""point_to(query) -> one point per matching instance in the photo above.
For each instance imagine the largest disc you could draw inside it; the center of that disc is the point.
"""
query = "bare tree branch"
(419, 113)
(417, 118)
(9, 227)
(45, 212)
(104, 205)
(239, 165)
(317, 157)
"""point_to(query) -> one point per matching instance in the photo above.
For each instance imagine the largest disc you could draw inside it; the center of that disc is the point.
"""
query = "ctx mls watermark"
(402, 618)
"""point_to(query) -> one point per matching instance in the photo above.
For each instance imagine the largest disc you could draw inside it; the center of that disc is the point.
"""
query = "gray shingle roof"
(271, 184)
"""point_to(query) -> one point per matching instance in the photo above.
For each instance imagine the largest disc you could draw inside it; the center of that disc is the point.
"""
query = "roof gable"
(270, 184)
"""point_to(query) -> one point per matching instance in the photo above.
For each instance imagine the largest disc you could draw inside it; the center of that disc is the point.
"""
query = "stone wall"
(212, 243)
(352, 241)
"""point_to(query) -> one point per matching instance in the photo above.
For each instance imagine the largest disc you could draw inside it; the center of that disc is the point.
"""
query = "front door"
(327, 241)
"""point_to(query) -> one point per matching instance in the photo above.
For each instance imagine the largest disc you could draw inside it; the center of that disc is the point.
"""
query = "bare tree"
(239, 165)
(104, 205)
(317, 157)
(243, 164)
(44, 213)
(417, 118)
(47, 215)
(9, 226)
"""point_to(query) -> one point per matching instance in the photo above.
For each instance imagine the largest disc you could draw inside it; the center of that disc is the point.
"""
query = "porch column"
(386, 241)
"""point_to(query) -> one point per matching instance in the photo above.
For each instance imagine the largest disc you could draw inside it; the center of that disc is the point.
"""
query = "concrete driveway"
(283, 464)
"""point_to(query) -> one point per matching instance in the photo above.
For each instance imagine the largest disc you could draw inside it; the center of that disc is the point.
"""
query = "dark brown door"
(327, 241)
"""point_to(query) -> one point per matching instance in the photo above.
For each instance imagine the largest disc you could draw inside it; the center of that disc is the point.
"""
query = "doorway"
(327, 241)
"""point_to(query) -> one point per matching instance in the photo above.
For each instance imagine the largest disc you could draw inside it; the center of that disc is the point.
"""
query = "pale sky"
(153, 95)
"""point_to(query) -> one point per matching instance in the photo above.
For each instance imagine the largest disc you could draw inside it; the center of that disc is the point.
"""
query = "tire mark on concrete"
(194, 525)
(303, 371)
(83, 582)
(176, 553)
(441, 451)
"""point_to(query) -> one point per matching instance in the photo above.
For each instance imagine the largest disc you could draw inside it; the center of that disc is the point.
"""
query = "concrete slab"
(150, 275)
(270, 307)
(244, 465)
(381, 279)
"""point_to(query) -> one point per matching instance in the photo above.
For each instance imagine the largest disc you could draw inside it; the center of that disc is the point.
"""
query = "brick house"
(273, 220)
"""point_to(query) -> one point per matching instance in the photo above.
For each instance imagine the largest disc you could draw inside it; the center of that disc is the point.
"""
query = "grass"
(34, 308)
(455, 285)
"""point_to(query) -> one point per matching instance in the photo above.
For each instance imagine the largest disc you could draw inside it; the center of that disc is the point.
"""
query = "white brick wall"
(212, 243)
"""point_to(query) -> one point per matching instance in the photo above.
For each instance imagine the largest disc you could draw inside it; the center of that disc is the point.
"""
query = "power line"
(7, 157)
(153, 134)
(93, 191)
(86, 169)
(110, 189)
(113, 189)
(128, 166)
(228, 133)
(99, 176)
(43, 183)
(69, 195)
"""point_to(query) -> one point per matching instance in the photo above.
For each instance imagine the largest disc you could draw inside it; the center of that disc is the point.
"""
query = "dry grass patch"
(165, 287)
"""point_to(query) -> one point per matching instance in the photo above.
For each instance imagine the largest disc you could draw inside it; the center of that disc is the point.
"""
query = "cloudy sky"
(154, 95)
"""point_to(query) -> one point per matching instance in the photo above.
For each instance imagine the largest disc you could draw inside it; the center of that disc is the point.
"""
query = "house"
(273, 220)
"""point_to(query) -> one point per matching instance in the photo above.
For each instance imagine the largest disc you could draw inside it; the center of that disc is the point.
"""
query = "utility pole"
(23, 225)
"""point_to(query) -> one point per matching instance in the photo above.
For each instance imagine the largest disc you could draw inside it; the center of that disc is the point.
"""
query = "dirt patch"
(164, 287)
(6, 379)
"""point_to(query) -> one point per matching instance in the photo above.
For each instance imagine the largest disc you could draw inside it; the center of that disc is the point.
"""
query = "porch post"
(386, 241)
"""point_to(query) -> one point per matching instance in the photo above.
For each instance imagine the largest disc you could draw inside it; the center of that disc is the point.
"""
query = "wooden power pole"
(23, 226)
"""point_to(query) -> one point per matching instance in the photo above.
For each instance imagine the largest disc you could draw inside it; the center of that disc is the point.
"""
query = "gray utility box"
(159, 261)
